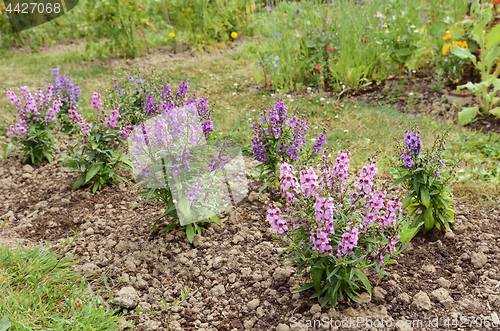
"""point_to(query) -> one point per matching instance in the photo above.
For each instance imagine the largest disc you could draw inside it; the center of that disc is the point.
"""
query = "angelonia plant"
(68, 93)
(175, 165)
(279, 137)
(336, 229)
(96, 154)
(141, 98)
(35, 118)
(426, 177)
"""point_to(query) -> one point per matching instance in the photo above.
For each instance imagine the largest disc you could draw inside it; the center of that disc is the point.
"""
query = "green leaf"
(493, 37)
(402, 179)
(215, 219)
(317, 276)
(94, 145)
(190, 232)
(438, 29)
(496, 111)
(407, 235)
(491, 57)
(463, 53)
(425, 197)
(5, 323)
(467, 115)
(428, 220)
(258, 76)
(364, 280)
(92, 172)
(79, 182)
(407, 200)
(96, 187)
(303, 288)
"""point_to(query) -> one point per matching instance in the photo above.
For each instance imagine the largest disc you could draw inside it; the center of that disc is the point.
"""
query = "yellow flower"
(446, 49)
(447, 35)
(234, 35)
(285, 14)
(399, 37)
(221, 25)
(171, 35)
(165, 40)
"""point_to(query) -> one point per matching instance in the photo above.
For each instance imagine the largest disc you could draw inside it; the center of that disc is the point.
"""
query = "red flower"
(317, 67)
(257, 44)
(330, 48)
(427, 22)
(433, 18)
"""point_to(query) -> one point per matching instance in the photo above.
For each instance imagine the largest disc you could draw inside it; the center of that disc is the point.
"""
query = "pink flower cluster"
(319, 203)
(96, 101)
(32, 110)
(390, 213)
(341, 166)
(108, 120)
(366, 178)
(274, 218)
(349, 241)
(309, 181)
(290, 184)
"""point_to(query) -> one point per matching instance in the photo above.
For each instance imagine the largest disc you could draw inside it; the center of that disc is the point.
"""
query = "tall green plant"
(489, 43)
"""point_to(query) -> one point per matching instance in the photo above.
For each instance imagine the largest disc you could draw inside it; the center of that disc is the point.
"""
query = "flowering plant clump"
(175, 165)
(96, 155)
(34, 120)
(278, 137)
(141, 98)
(425, 177)
(337, 229)
(68, 93)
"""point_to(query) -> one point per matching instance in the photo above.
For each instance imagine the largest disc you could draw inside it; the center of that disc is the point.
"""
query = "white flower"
(412, 26)
(346, 130)
(272, 94)
(416, 31)
(410, 94)
(309, 88)
(322, 99)
(367, 139)
(328, 102)
(253, 109)
(234, 93)
(291, 100)
(313, 139)
(289, 96)
(336, 116)
(235, 84)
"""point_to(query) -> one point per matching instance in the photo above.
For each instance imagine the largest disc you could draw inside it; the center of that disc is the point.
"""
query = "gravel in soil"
(237, 282)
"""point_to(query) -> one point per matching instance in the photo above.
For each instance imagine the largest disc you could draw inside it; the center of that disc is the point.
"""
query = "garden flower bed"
(232, 271)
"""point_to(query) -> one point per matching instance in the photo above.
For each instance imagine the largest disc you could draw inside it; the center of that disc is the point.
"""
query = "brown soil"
(425, 101)
(237, 280)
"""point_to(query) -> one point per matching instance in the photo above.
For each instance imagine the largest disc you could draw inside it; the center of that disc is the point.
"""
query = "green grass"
(39, 291)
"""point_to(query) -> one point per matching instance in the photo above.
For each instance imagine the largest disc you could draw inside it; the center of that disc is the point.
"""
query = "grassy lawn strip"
(39, 291)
